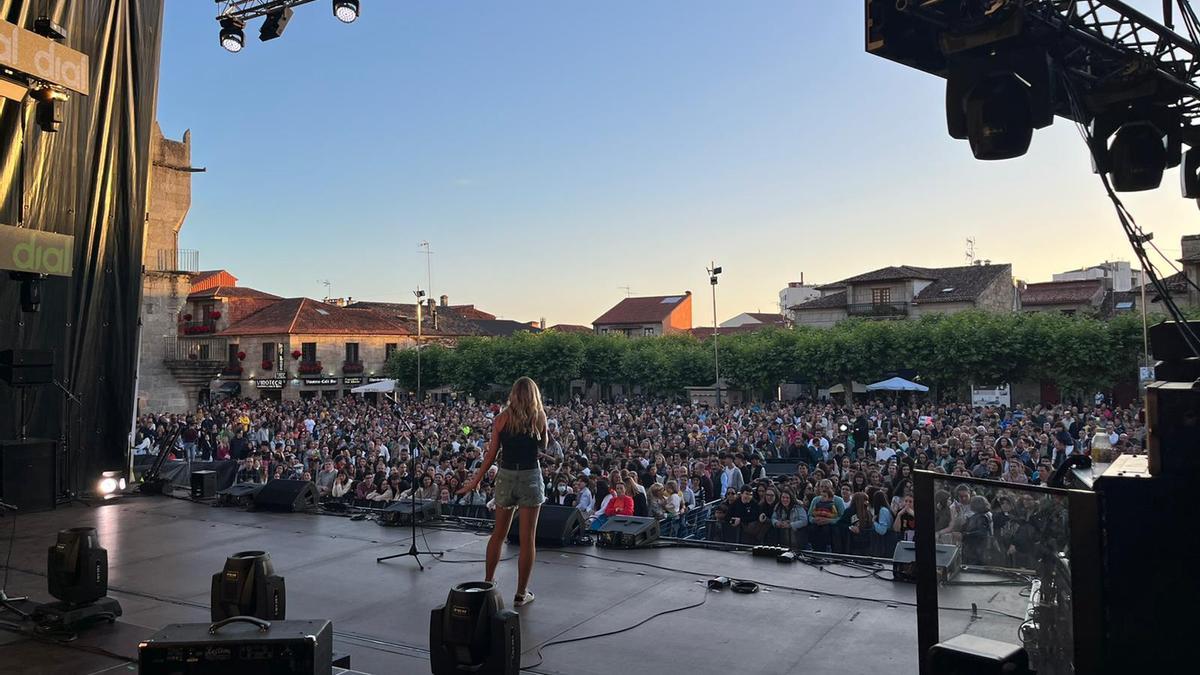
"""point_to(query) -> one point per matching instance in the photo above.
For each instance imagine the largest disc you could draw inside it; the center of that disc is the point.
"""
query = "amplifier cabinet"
(286, 648)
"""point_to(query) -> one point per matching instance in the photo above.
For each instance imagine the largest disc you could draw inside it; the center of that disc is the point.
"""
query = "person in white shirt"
(583, 498)
(883, 453)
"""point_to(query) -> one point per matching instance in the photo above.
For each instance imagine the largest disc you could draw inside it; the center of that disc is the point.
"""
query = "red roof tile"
(1062, 292)
(305, 316)
(570, 328)
(641, 310)
(231, 292)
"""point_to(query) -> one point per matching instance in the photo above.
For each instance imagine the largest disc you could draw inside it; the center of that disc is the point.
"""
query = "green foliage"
(949, 352)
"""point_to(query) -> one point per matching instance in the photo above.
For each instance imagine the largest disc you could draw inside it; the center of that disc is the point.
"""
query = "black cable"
(12, 542)
(65, 642)
(648, 619)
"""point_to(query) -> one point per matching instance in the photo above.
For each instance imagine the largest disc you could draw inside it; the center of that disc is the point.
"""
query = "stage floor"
(163, 553)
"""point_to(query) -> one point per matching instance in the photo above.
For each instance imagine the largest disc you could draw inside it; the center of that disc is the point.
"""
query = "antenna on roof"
(628, 290)
(970, 252)
(328, 286)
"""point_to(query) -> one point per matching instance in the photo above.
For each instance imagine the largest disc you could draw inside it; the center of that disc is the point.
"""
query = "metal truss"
(1111, 50)
(252, 9)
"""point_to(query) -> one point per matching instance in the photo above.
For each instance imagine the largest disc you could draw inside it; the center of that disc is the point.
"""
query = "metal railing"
(175, 260)
(197, 327)
(195, 349)
(878, 309)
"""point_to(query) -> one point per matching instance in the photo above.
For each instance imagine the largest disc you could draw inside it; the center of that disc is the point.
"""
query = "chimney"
(445, 301)
(802, 278)
(542, 323)
(433, 312)
(1190, 243)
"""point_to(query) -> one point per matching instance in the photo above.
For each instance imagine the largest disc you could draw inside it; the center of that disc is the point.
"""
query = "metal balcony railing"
(883, 310)
(175, 260)
(213, 350)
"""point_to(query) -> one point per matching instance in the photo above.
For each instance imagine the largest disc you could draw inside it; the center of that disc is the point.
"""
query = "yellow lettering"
(28, 260)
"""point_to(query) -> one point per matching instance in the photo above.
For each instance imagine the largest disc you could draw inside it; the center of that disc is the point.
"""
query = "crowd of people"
(851, 488)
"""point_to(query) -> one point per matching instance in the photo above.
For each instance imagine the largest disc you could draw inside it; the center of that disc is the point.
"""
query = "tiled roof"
(231, 292)
(199, 278)
(570, 328)
(449, 322)
(1062, 293)
(965, 283)
(831, 301)
(767, 318)
(470, 312)
(652, 309)
(503, 327)
(894, 273)
(305, 316)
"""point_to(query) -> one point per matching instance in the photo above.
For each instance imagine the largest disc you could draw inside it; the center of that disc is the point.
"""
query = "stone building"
(166, 272)
(908, 292)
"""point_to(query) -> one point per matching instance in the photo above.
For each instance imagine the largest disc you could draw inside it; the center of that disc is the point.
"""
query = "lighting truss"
(1112, 51)
(252, 9)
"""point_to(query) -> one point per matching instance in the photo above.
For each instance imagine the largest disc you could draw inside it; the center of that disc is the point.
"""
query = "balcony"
(197, 327)
(354, 367)
(310, 368)
(878, 310)
(196, 361)
(178, 260)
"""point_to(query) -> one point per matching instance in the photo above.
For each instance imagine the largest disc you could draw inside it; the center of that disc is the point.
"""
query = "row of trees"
(948, 352)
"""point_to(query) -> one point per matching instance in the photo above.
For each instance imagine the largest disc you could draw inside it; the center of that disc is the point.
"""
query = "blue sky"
(553, 152)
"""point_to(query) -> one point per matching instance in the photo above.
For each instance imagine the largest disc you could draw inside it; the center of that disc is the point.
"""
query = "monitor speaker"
(288, 496)
(904, 562)
(627, 532)
(27, 476)
(557, 526)
(204, 484)
(238, 494)
(401, 512)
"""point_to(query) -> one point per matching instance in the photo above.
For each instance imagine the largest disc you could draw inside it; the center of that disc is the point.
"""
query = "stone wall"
(163, 292)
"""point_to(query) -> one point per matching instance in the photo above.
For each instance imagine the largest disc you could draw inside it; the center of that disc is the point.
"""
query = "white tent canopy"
(380, 386)
(896, 384)
(841, 388)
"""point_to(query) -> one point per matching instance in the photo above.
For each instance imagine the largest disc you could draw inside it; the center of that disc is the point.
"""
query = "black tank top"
(518, 449)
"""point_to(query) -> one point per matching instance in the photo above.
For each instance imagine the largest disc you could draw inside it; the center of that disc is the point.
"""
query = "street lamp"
(420, 294)
(713, 271)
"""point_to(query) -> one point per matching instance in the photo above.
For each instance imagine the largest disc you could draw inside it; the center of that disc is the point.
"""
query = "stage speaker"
(972, 655)
(287, 495)
(239, 645)
(238, 494)
(627, 532)
(27, 476)
(904, 562)
(27, 367)
(557, 526)
(401, 512)
(204, 484)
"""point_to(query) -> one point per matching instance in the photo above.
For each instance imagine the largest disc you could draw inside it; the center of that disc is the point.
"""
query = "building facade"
(908, 292)
(1085, 296)
(796, 293)
(647, 316)
(1117, 275)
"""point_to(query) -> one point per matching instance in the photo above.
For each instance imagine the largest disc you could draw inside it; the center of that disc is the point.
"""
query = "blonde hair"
(525, 412)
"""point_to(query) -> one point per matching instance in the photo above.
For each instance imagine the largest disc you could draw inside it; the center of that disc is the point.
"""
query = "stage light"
(473, 632)
(248, 586)
(233, 37)
(77, 574)
(346, 11)
(999, 117)
(110, 483)
(46, 27)
(275, 23)
(1137, 157)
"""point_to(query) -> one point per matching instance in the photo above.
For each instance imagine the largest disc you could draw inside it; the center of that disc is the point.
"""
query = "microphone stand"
(412, 472)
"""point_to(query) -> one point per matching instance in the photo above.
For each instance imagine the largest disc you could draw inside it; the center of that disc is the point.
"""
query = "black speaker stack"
(27, 475)
(289, 496)
(26, 367)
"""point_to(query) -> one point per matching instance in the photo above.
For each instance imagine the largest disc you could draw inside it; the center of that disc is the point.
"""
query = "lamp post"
(419, 294)
(713, 271)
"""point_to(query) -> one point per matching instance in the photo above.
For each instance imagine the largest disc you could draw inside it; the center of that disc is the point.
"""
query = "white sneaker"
(522, 600)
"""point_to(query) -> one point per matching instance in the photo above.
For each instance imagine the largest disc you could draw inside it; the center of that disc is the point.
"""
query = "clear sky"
(554, 151)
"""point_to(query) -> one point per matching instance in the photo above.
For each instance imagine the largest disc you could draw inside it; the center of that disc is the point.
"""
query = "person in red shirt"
(621, 504)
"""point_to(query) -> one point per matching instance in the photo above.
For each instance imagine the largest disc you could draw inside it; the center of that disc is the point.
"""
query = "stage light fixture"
(77, 574)
(110, 483)
(999, 117)
(473, 632)
(346, 11)
(233, 35)
(46, 27)
(1137, 157)
(248, 586)
(1189, 174)
(49, 108)
(275, 23)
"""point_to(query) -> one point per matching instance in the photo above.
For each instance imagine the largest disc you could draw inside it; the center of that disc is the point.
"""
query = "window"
(233, 352)
(268, 352)
(881, 296)
(308, 352)
(149, 308)
(351, 352)
(648, 330)
(388, 350)
(604, 331)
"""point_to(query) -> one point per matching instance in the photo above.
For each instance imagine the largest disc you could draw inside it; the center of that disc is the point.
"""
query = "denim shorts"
(520, 488)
